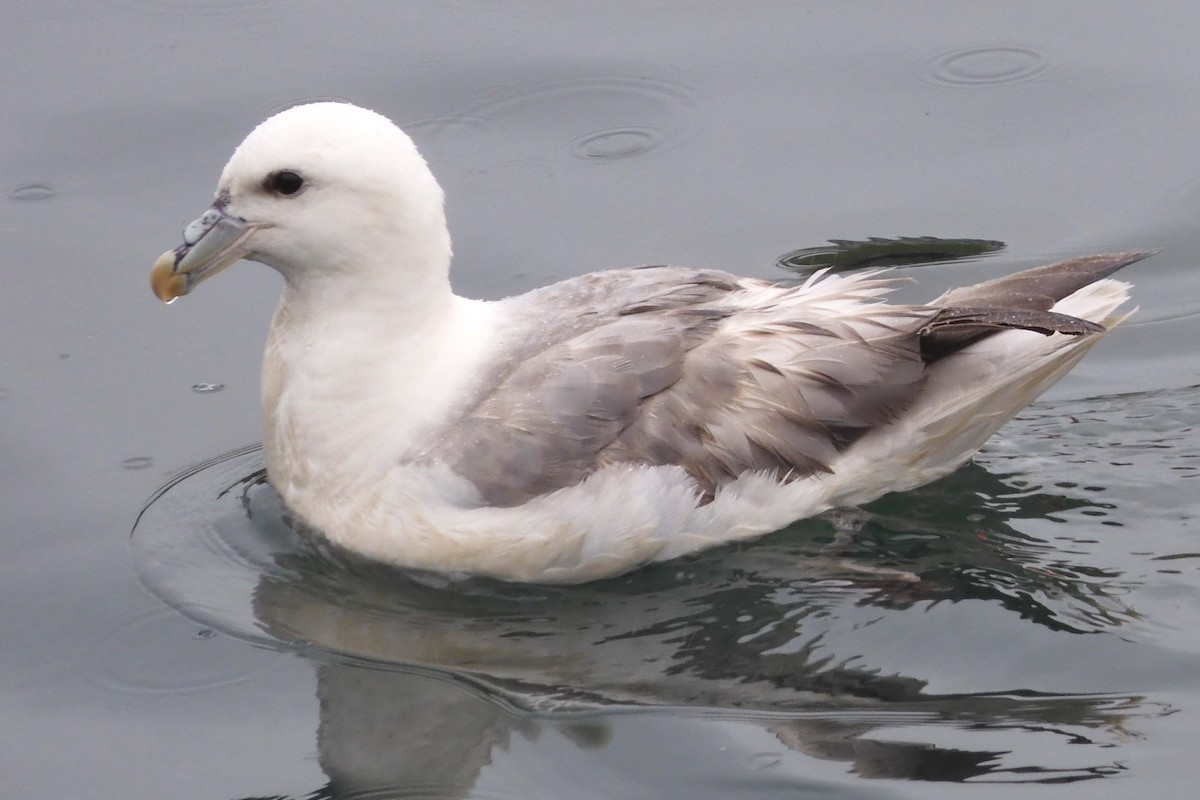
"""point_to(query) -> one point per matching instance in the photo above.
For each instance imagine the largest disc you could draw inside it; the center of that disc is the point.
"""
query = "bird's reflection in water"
(400, 733)
(382, 729)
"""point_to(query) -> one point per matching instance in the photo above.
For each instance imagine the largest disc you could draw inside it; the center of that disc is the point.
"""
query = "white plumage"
(604, 422)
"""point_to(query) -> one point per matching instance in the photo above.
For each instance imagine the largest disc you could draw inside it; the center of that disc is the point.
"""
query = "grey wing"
(543, 427)
(721, 376)
(689, 386)
(778, 396)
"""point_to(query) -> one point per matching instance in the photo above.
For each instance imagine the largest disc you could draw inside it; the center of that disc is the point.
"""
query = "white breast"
(346, 401)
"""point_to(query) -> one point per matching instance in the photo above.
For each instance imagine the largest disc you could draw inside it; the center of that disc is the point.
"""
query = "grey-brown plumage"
(720, 375)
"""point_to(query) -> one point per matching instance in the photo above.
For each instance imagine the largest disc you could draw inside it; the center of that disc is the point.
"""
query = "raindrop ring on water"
(32, 192)
(593, 118)
(979, 67)
(614, 143)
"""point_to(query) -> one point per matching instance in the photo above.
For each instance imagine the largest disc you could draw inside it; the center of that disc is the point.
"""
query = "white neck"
(358, 370)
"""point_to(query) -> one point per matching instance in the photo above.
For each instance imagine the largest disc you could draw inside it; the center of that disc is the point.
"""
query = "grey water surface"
(212, 651)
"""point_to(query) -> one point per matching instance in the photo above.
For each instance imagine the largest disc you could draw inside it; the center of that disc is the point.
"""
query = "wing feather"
(719, 375)
(714, 376)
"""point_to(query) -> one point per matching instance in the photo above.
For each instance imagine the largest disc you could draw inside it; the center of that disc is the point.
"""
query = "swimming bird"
(607, 421)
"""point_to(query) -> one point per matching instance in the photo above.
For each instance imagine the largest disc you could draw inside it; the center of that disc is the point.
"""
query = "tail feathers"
(1029, 300)
(970, 394)
(1097, 302)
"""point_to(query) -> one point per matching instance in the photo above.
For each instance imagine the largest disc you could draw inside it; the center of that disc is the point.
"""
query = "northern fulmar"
(607, 421)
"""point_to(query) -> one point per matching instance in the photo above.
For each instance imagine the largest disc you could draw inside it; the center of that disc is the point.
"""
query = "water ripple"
(1008, 85)
(32, 193)
(601, 118)
(154, 654)
(617, 142)
(984, 66)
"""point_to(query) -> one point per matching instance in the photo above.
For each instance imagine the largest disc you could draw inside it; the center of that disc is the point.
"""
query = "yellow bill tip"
(165, 282)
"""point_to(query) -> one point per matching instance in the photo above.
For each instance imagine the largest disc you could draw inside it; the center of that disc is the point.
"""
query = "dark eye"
(284, 182)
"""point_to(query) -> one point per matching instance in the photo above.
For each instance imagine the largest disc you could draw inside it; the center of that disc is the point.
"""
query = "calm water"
(1050, 639)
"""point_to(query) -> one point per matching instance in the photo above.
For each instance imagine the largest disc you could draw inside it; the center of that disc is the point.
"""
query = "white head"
(325, 192)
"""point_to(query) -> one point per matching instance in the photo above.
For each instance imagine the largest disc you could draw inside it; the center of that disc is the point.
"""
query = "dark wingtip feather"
(1041, 287)
(1020, 300)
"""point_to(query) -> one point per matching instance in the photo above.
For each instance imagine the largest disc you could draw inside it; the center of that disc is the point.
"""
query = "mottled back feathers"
(719, 375)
